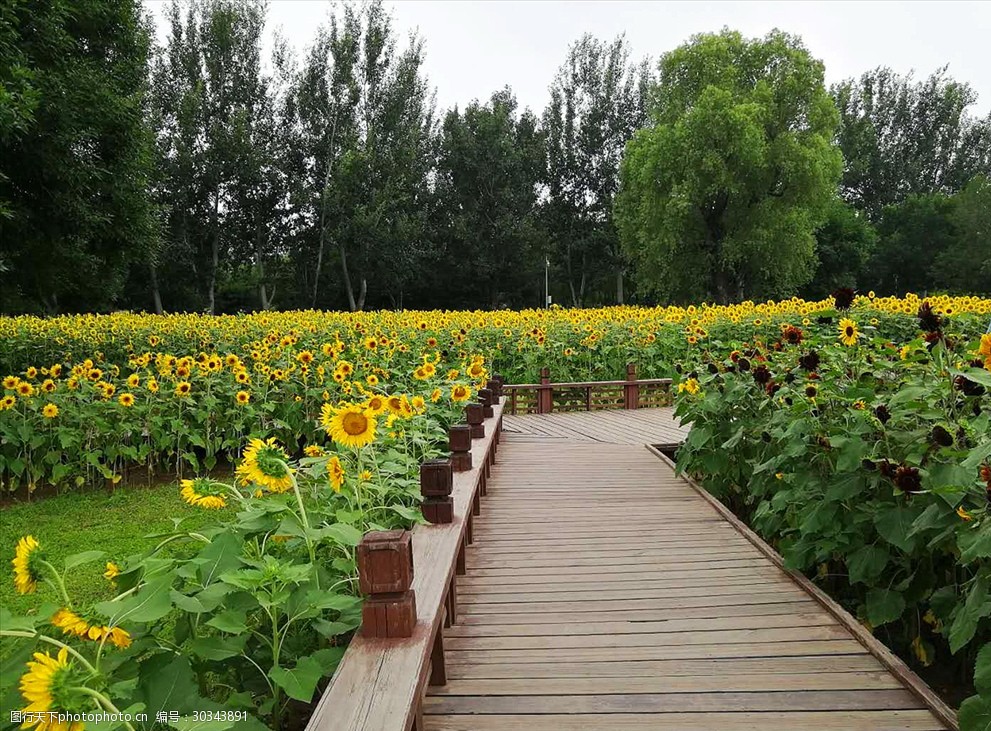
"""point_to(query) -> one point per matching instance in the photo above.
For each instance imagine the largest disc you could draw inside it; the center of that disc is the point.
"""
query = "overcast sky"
(474, 47)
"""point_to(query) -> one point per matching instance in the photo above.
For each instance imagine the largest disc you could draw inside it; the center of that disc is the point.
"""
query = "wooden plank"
(788, 720)
(668, 668)
(579, 613)
(703, 683)
(843, 700)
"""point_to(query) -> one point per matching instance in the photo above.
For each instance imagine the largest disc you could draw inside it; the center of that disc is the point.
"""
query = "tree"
(210, 99)
(912, 235)
(74, 209)
(490, 162)
(598, 100)
(966, 265)
(366, 121)
(844, 244)
(901, 137)
(722, 193)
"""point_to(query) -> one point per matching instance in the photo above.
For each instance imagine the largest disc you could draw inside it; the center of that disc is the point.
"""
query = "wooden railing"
(410, 582)
(546, 397)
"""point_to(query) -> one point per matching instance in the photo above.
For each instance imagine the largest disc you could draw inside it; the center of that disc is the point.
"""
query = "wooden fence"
(410, 582)
(546, 397)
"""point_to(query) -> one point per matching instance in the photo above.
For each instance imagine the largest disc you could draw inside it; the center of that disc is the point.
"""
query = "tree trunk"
(156, 294)
(362, 293)
(214, 256)
(260, 266)
(620, 298)
(720, 285)
(347, 278)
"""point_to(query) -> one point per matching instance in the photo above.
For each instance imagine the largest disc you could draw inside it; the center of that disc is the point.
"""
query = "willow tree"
(722, 192)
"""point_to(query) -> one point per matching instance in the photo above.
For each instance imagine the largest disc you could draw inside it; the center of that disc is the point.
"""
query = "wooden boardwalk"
(638, 427)
(603, 592)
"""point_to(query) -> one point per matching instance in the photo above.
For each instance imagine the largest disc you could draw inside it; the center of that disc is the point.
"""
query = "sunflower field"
(853, 433)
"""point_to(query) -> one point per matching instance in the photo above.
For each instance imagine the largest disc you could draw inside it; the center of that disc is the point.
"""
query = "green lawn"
(116, 523)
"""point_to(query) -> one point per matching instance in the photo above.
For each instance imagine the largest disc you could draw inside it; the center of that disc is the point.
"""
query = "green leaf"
(969, 614)
(884, 605)
(221, 555)
(151, 602)
(982, 670)
(866, 564)
(974, 542)
(895, 526)
(343, 534)
(975, 714)
(218, 648)
(229, 620)
(78, 559)
(300, 681)
(977, 455)
(189, 723)
(187, 603)
(20, 624)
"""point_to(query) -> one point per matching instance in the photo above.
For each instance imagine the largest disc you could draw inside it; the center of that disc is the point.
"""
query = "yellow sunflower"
(351, 426)
(848, 332)
(460, 393)
(265, 463)
(49, 411)
(72, 624)
(336, 472)
(242, 397)
(25, 562)
(10, 382)
(313, 450)
(376, 404)
(203, 493)
(112, 572)
(182, 389)
(40, 685)
(126, 399)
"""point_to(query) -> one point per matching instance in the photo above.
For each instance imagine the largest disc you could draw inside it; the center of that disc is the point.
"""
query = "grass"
(116, 523)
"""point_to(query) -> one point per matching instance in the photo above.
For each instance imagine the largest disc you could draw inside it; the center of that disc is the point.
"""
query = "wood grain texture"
(604, 592)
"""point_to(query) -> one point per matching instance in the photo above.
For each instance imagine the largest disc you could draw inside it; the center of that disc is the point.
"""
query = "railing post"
(436, 483)
(459, 438)
(475, 416)
(385, 575)
(545, 395)
(631, 391)
(487, 398)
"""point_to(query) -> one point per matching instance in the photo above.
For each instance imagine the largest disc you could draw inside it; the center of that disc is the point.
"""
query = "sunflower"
(394, 404)
(112, 572)
(182, 389)
(336, 472)
(848, 332)
(49, 411)
(376, 404)
(351, 426)
(372, 380)
(460, 393)
(691, 386)
(10, 382)
(72, 624)
(25, 389)
(48, 385)
(418, 403)
(203, 493)
(133, 380)
(265, 464)
(7, 402)
(435, 395)
(25, 563)
(44, 687)
(31, 372)
(242, 397)
(313, 450)
(126, 399)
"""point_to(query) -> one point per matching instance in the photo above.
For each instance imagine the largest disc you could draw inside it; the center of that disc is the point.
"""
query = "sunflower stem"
(103, 702)
(51, 641)
(59, 583)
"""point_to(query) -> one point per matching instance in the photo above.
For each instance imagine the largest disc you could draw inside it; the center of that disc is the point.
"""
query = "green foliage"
(722, 193)
(598, 100)
(912, 235)
(866, 468)
(901, 137)
(844, 244)
(965, 266)
(74, 213)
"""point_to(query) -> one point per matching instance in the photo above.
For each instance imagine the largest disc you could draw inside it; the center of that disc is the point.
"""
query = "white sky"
(474, 47)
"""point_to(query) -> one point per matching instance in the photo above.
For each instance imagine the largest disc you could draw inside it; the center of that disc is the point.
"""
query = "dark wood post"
(475, 416)
(545, 395)
(385, 575)
(631, 391)
(436, 483)
(438, 671)
(459, 437)
(487, 398)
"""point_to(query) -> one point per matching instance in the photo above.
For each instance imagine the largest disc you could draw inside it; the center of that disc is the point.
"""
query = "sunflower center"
(354, 424)
(849, 331)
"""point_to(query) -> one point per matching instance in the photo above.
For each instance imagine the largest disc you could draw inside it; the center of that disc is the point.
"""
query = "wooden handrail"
(544, 392)
(380, 682)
